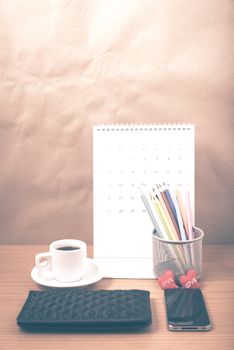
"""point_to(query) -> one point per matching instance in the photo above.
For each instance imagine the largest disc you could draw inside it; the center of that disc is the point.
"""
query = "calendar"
(126, 157)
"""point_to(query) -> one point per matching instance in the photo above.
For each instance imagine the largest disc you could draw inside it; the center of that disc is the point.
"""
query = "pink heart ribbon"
(190, 279)
(167, 280)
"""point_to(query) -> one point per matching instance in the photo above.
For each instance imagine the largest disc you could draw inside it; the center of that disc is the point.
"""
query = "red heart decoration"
(167, 280)
(190, 279)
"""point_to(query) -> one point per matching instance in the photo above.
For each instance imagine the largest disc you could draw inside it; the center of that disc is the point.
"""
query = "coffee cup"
(66, 260)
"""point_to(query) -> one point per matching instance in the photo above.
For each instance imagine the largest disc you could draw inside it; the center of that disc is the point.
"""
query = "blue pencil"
(168, 195)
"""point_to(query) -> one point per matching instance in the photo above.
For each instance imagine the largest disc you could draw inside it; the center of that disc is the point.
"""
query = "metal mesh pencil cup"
(177, 256)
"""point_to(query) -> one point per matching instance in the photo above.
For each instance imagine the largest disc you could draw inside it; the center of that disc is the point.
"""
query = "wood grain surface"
(16, 263)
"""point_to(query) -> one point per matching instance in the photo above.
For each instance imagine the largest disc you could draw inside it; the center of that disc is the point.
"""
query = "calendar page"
(124, 158)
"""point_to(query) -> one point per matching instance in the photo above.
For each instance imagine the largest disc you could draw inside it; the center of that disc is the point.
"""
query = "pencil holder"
(178, 256)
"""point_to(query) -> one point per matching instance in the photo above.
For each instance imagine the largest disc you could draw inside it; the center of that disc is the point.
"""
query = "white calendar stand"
(124, 157)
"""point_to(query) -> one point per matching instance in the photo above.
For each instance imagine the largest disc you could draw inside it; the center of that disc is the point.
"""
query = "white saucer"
(45, 278)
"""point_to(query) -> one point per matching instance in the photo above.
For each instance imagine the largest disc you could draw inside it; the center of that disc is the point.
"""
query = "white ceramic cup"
(66, 259)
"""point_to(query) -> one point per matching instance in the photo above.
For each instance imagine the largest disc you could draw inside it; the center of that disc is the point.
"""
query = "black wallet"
(85, 310)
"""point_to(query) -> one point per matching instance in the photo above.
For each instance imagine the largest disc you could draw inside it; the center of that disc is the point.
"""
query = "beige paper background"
(67, 65)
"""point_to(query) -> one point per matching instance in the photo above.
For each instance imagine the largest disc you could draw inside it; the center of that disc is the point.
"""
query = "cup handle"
(46, 264)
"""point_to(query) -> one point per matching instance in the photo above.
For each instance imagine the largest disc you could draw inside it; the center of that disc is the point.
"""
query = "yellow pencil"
(171, 226)
(183, 212)
(164, 218)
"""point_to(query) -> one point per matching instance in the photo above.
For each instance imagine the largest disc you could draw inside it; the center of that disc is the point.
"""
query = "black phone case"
(186, 310)
(84, 310)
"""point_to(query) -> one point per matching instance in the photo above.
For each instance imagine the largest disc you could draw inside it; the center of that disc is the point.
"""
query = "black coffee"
(68, 248)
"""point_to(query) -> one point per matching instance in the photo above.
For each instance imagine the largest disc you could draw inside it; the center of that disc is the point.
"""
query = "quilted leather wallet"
(84, 310)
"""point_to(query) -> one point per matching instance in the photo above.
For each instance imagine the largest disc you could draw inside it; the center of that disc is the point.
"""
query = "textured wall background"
(67, 65)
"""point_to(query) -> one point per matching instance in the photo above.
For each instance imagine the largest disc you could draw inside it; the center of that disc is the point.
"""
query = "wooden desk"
(217, 283)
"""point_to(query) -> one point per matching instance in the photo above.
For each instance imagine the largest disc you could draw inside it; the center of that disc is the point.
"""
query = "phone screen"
(186, 310)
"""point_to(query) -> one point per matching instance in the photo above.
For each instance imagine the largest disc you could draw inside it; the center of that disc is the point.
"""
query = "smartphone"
(186, 310)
